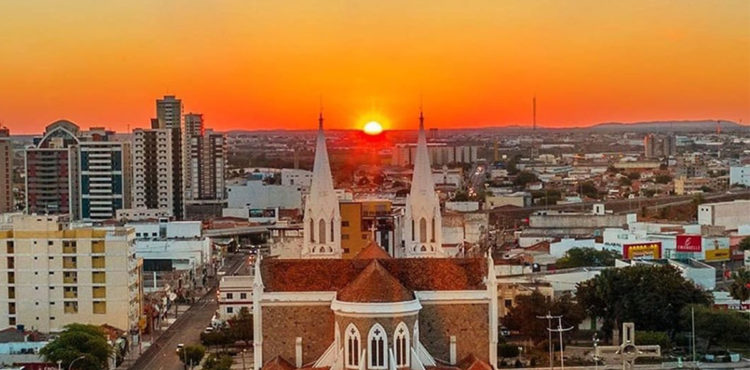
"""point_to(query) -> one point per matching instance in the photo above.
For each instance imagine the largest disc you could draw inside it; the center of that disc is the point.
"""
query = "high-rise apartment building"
(56, 275)
(204, 173)
(659, 146)
(105, 176)
(52, 171)
(7, 200)
(153, 177)
(169, 116)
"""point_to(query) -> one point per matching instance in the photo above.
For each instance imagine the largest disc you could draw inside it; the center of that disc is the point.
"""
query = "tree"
(589, 189)
(523, 316)
(649, 296)
(507, 350)
(85, 344)
(241, 326)
(744, 243)
(625, 181)
(587, 257)
(662, 179)
(721, 327)
(740, 288)
(634, 175)
(214, 362)
(525, 177)
(218, 338)
(192, 355)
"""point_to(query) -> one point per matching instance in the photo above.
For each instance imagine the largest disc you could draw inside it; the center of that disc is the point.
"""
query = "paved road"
(187, 328)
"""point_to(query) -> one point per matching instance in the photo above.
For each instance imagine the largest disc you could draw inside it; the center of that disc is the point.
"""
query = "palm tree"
(740, 288)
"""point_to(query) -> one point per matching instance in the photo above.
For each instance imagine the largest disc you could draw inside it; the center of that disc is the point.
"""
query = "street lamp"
(74, 360)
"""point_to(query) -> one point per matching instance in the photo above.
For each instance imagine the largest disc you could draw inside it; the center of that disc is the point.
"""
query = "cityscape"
(173, 227)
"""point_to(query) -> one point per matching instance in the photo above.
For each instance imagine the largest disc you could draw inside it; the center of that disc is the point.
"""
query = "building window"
(243, 295)
(432, 239)
(230, 296)
(352, 347)
(344, 223)
(378, 344)
(230, 309)
(332, 233)
(422, 230)
(322, 231)
(401, 345)
(312, 231)
(412, 230)
(508, 303)
(100, 308)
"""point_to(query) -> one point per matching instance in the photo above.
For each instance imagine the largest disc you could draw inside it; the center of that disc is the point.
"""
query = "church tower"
(322, 221)
(422, 230)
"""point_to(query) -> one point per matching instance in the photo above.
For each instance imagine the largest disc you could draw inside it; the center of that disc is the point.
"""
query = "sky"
(252, 64)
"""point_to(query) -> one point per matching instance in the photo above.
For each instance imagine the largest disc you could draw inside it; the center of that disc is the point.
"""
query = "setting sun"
(373, 128)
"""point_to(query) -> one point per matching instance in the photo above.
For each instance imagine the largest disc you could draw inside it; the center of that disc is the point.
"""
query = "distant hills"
(667, 126)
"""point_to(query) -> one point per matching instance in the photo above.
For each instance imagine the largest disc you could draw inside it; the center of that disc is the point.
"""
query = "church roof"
(372, 251)
(415, 274)
(278, 363)
(375, 284)
(471, 362)
(322, 181)
(422, 182)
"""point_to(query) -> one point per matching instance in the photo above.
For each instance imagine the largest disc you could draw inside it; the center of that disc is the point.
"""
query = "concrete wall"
(468, 322)
(283, 324)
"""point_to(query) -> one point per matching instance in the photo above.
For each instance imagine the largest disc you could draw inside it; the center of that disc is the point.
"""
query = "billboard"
(688, 243)
(649, 250)
(716, 249)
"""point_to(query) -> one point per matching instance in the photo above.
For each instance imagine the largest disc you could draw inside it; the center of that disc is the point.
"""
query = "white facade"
(295, 177)
(57, 276)
(182, 242)
(728, 214)
(257, 195)
(235, 293)
(105, 178)
(739, 175)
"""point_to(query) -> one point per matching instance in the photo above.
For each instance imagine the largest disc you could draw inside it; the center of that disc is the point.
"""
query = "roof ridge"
(375, 284)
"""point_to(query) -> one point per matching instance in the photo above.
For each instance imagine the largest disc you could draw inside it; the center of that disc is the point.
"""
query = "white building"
(175, 245)
(739, 175)
(728, 214)
(235, 292)
(257, 195)
(105, 179)
(295, 177)
(56, 275)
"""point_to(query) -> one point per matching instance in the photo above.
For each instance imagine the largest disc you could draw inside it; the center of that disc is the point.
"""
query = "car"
(179, 348)
(208, 329)
(504, 332)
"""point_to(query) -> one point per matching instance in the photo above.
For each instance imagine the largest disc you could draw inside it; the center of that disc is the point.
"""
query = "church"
(417, 309)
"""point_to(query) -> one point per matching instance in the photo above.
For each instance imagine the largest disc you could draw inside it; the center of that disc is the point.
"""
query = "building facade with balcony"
(52, 275)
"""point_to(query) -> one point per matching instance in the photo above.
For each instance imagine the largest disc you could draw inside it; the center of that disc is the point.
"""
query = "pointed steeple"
(322, 221)
(422, 182)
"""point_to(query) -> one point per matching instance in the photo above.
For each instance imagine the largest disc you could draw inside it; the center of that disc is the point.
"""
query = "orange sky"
(263, 64)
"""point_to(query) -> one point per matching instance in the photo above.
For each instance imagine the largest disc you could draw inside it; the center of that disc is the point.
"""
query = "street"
(187, 328)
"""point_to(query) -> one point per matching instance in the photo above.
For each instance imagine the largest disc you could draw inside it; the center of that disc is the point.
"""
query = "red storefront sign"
(688, 243)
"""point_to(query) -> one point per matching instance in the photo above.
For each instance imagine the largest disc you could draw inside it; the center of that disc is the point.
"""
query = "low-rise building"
(235, 293)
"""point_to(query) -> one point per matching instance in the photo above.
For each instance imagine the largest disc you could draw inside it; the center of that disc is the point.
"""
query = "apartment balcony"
(98, 278)
(99, 292)
(70, 249)
(97, 247)
(70, 279)
(69, 263)
(98, 262)
(70, 294)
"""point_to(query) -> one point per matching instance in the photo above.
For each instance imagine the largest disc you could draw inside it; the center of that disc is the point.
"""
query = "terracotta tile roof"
(375, 284)
(372, 251)
(415, 274)
(471, 362)
(278, 363)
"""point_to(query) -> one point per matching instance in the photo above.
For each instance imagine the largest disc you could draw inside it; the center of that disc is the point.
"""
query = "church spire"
(422, 181)
(322, 220)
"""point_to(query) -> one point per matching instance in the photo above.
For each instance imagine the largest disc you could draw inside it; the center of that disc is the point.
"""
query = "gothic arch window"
(312, 231)
(331, 230)
(401, 345)
(432, 238)
(423, 249)
(422, 230)
(412, 231)
(322, 231)
(378, 347)
(352, 343)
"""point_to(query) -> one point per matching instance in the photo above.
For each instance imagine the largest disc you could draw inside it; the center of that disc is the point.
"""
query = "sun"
(372, 128)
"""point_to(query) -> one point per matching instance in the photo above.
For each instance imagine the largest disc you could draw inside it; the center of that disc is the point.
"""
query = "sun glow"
(372, 128)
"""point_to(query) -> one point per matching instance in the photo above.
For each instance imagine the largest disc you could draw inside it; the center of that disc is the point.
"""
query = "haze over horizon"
(264, 65)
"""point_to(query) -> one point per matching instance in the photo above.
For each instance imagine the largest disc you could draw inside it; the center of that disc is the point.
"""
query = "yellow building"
(53, 275)
(357, 220)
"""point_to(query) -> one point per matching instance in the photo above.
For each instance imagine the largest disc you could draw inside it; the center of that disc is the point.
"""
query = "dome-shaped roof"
(373, 285)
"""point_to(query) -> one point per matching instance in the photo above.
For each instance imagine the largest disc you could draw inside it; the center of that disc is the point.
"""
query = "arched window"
(432, 238)
(401, 345)
(412, 231)
(312, 231)
(352, 342)
(422, 230)
(378, 356)
(322, 231)
(331, 230)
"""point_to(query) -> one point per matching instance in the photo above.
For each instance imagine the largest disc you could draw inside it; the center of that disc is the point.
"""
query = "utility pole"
(549, 318)
(560, 330)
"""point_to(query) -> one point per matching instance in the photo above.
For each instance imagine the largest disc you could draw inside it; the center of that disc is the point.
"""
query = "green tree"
(589, 189)
(722, 327)
(523, 316)
(192, 355)
(85, 344)
(525, 177)
(649, 296)
(507, 350)
(587, 257)
(654, 338)
(221, 362)
(740, 288)
(241, 326)
(218, 338)
(744, 243)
